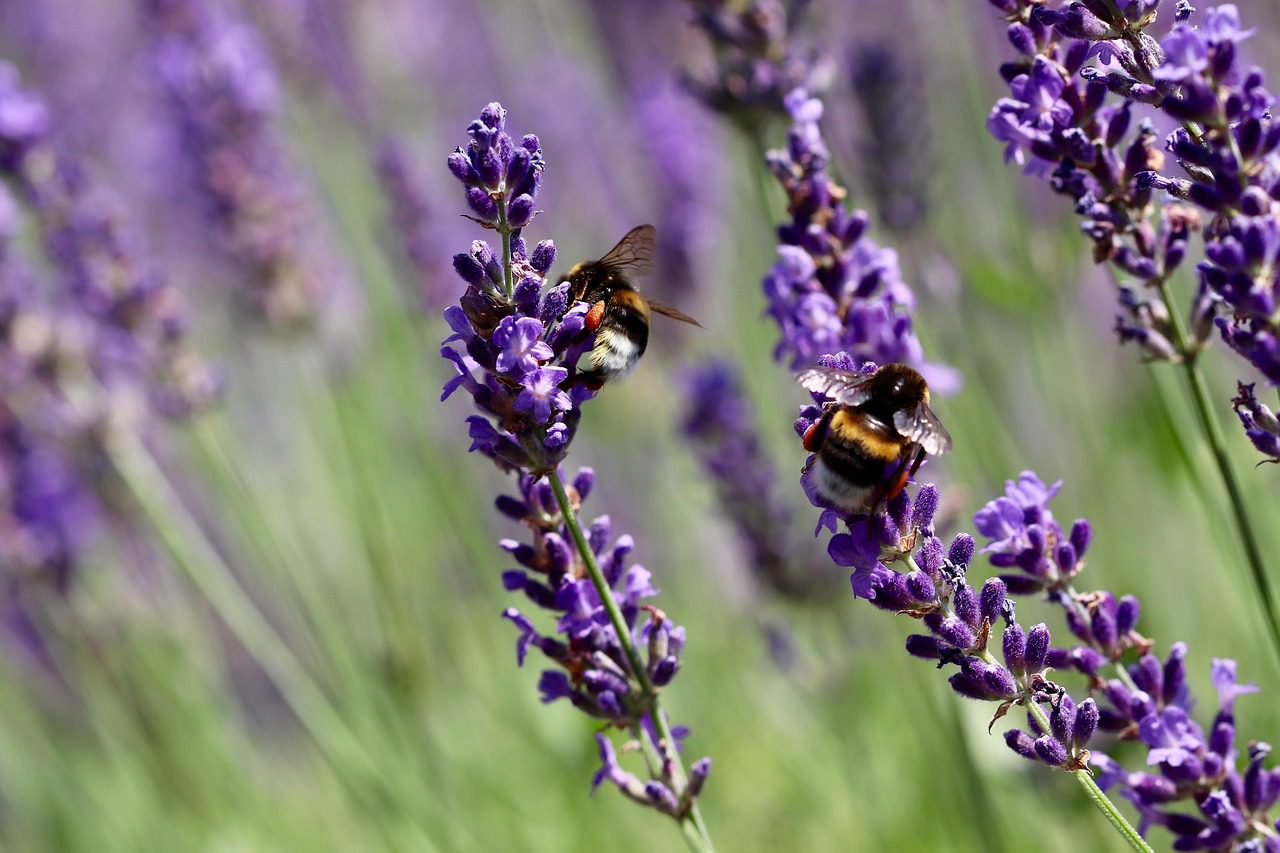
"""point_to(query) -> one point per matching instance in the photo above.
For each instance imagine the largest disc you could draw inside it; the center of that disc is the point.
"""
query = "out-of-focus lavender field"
(252, 584)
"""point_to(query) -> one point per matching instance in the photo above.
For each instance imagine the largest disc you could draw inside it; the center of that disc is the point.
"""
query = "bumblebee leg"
(816, 432)
(892, 487)
(915, 466)
(810, 439)
(586, 378)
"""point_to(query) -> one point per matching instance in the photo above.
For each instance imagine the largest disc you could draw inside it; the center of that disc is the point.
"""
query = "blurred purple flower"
(719, 421)
(756, 60)
(225, 97)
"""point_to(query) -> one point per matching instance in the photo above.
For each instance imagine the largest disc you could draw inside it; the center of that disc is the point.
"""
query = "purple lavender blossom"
(1080, 125)
(592, 670)
(46, 510)
(516, 342)
(515, 346)
(224, 94)
(756, 62)
(501, 176)
(961, 620)
(832, 287)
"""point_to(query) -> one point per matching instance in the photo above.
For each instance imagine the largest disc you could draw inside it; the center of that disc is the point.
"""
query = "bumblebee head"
(896, 386)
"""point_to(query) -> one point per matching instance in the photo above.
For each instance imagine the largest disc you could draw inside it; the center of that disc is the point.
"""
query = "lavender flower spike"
(1087, 84)
(223, 91)
(719, 422)
(756, 60)
(900, 566)
(515, 345)
(833, 288)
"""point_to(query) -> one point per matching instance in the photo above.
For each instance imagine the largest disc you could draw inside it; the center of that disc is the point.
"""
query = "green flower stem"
(508, 277)
(692, 826)
(1213, 436)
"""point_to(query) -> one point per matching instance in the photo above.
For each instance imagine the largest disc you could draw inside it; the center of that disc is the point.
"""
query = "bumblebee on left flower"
(515, 371)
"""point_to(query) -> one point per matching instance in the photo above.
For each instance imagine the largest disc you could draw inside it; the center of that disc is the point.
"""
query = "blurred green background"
(340, 492)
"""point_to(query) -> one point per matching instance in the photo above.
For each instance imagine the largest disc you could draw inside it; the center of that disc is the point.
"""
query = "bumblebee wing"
(921, 425)
(673, 313)
(634, 252)
(843, 386)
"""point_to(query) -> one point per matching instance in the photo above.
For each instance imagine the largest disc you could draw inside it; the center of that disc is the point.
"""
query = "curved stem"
(1214, 437)
(1108, 808)
(692, 826)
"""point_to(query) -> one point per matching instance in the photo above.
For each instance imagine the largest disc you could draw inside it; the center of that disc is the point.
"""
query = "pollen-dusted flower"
(224, 93)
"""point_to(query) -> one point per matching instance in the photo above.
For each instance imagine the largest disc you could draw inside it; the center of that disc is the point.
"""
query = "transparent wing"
(843, 386)
(922, 426)
(634, 252)
(674, 313)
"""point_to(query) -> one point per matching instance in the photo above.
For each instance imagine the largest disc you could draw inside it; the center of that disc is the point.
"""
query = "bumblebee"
(619, 315)
(872, 436)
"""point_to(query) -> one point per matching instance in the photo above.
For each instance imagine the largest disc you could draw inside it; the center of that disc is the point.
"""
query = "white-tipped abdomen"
(838, 490)
(615, 355)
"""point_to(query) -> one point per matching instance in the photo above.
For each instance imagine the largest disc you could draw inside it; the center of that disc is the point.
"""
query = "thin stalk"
(655, 762)
(1214, 437)
(696, 835)
(508, 277)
